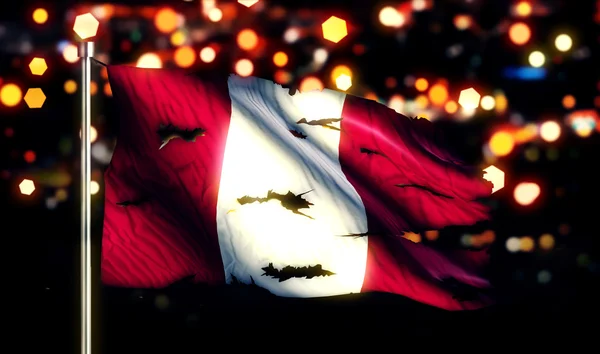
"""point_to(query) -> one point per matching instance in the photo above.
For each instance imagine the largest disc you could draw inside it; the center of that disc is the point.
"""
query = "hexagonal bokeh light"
(38, 66)
(35, 98)
(334, 29)
(27, 187)
(86, 26)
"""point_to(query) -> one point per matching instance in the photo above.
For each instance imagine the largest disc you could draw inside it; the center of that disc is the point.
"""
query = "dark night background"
(40, 239)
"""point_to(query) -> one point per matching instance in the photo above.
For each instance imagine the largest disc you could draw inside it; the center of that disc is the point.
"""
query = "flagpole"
(85, 52)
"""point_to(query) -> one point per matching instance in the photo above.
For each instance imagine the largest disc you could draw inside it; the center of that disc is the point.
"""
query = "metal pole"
(85, 52)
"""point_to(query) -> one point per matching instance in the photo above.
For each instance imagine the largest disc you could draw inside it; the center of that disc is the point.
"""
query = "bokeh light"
(244, 67)
(526, 193)
(563, 42)
(537, 59)
(166, 20)
(501, 143)
(207, 54)
(40, 16)
(10, 95)
(184, 56)
(149, 61)
(334, 29)
(550, 131)
(519, 33)
(280, 59)
(311, 83)
(247, 39)
(390, 17)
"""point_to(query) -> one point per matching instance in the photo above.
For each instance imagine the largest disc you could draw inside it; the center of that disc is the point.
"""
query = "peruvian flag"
(235, 179)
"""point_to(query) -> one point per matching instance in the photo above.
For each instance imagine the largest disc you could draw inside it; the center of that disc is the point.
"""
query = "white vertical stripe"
(261, 155)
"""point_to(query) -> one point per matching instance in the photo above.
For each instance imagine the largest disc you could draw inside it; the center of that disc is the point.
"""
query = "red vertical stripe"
(436, 191)
(173, 234)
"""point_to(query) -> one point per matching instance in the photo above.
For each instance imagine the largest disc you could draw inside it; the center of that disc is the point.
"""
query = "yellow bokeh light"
(469, 98)
(546, 242)
(343, 82)
(27, 187)
(94, 187)
(451, 107)
(526, 193)
(310, 83)
(280, 59)
(70, 86)
(178, 38)
(519, 33)
(38, 66)
(494, 175)
(462, 22)
(421, 84)
(86, 26)
(247, 39)
(35, 98)
(166, 20)
(501, 143)
(523, 8)
(550, 131)
(422, 102)
(488, 103)
(527, 244)
(207, 54)
(244, 67)
(563, 42)
(390, 17)
(215, 14)
(438, 94)
(149, 61)
(184, 56)
(569, 101)
(10, 95)
(70, 53)
(501, 103)
(340, 70)
(334, 29)
(537, 59)
(40, 16)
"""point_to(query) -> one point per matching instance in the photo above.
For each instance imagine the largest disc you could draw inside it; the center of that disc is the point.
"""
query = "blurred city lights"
(207, 54)
(550, 131)
(27, 187)
(38, 66)
(568, 101)
(519, 33)
(247, 3)
(343, 82)
(10, 95)
(247, 39)
(244, 67)
(438, 94)
(311, 83)
(334, 29)
(86, 26)
(34, 97)
(94, 187)
(488, 103)
(280, 59)
(563, 42)
(496, 176)
(501, 143)
(184, 56)
(390, 17)
(166, 20)
(215, 14)
(421, 84)
(537, 59)
(70, 53)
(70, 86)
(526, 193)
(40, 16)
(523, 8)
(469, 98)
(149, 61)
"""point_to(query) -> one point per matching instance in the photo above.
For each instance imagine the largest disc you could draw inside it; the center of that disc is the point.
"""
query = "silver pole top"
(85, 49)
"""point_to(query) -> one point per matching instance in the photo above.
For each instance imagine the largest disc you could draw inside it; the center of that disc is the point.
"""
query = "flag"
(228, 179)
